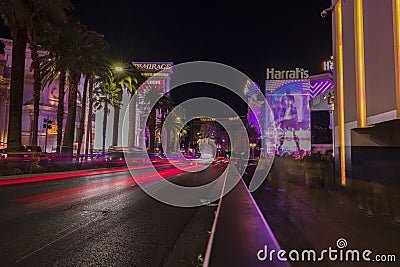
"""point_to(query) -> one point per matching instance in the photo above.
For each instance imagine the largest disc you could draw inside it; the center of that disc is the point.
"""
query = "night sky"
(250, 36)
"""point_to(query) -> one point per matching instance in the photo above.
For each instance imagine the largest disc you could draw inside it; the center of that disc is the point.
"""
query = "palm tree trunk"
(16, 91)
(104, 126)
(70, 124)
(132, 122)
(152, 129)
(117, 110)
(60, 110)
(90, 116)
(36, 92)
(162, 121)
(82, 118)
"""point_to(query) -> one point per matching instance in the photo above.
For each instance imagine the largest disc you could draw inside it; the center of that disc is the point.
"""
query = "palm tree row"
(22, 18)
(161, 105)
(72, 51)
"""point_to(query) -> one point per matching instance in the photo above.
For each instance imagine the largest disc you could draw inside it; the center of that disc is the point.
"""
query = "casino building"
(132, 119)
(48, 104)
(293, 98)
(366, 36)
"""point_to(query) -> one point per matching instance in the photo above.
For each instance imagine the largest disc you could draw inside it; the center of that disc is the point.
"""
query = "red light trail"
(62, 196)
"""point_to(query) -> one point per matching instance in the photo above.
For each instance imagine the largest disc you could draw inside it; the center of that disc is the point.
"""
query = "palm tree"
(138, 79)
(49, 75)
(117, 111)
(46, 20)
(164, 106)
(122, 83)
(77, 51)
(81, 127)
(106, 94)
(60, 109)
(162, 103)
(52, 67)
(89, 140)
(130, 80)
(100, 68)
(18, 15)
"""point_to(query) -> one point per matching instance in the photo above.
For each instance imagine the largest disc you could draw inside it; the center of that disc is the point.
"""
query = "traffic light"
(47, 123)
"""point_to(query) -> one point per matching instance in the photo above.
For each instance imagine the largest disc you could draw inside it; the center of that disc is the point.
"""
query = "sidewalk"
(305, 212)
(240, 232)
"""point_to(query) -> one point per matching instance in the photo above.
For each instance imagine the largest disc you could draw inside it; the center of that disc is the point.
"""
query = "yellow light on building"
(53, 129)
(340, 89)
(360, 63)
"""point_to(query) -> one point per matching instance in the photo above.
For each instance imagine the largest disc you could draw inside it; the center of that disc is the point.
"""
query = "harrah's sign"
(297, 74)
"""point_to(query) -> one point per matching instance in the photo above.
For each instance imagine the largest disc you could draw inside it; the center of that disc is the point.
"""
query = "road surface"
(101, 219)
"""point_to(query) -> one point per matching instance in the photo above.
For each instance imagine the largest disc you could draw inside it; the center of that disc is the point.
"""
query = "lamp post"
(337, 9)
(47, 124)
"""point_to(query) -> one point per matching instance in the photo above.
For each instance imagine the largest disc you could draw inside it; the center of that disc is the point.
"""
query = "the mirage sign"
(153, 66)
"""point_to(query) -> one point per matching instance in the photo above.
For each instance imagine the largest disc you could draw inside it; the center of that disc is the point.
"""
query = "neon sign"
(153, 66)
(328, 65)
(297, 74)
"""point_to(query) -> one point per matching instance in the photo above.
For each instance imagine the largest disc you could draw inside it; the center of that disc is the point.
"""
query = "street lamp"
(339, 69)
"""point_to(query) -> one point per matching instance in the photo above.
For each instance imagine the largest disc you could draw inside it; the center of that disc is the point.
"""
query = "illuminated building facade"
(322, 95)
(367, 72)
(48, 104)
(4, 100)
(287, 93)
(158, 75)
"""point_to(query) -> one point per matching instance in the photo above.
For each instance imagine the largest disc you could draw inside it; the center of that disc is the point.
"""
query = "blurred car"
(44, 158)
(221, 160)
(2, 154)
(28, 153)
(111, 157)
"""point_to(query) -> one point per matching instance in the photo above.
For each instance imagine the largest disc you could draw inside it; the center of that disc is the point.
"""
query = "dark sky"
(249, 35)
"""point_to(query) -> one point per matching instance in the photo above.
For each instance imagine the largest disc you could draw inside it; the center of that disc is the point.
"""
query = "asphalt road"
(102, 220)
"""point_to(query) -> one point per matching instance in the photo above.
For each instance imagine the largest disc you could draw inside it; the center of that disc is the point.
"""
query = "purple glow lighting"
(320, 87)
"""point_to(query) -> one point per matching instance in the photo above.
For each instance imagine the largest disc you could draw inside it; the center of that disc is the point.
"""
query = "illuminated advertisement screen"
(288, 100)
(153, 84)
(255, 113)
